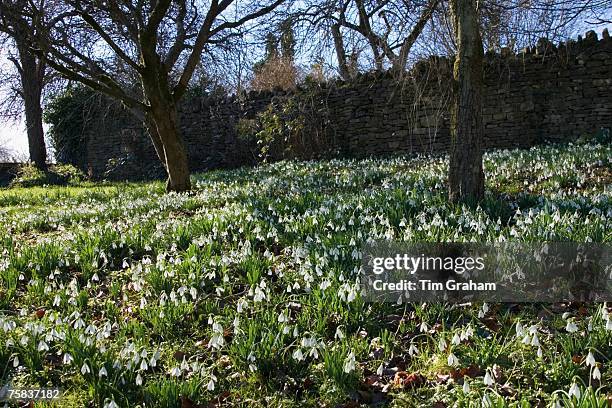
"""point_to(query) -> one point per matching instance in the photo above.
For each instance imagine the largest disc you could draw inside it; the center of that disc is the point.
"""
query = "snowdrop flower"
(574, 391)
(67, 359)
(379, 370)
(15, 362)
(571, 327)
(456, 340)
(412, 351)
(138, 379)
(596, 373)
(349, 363)
(102, 372)
(488, 379)
(452, 360)
(520, 331)
(442, 344)
(423, 327)
(282, 317)
(42, 346)
(85, 369)
(242, 304)
(590, 360)
(175, 372)
(539, 352)
(298, 355)
(466, 386)
(339, 334)
(111, 404)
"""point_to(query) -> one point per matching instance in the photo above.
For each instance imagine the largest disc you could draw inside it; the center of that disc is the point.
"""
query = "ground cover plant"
(244, 292)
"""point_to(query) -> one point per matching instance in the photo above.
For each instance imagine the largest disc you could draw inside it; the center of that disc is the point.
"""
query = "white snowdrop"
(574, 391)
(488, 379)
(67, 359)
(452, 360)
(339, 334)
(571, 327)
(590, 360)
(298, 355)
(349, 363)
(596, 373)
(442, 344)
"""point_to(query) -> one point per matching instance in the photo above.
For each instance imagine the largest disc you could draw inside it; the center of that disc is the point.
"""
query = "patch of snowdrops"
(245, 292)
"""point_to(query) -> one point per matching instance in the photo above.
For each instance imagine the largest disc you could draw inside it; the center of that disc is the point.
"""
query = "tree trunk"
(466, 176)
(164, 133)
(345, 73)
(32, 77)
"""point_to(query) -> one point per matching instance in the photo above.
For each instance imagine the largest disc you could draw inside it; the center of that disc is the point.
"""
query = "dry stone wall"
(545, 93)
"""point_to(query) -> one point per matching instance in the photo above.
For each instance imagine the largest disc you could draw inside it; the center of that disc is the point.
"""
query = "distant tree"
(143, 54)
(515, 24)
(277, 69)
(389, 28)
(5, 152)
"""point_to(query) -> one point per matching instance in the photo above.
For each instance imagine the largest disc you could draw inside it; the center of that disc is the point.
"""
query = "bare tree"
(466, 176)
(24, 89)
(143, 54)
(390, 28)
(516, 24)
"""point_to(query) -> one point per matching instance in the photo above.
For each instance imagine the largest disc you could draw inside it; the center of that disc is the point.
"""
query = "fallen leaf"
(577, 359)
(402, 379)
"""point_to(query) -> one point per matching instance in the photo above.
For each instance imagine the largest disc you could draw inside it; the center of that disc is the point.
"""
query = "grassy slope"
(217, 296)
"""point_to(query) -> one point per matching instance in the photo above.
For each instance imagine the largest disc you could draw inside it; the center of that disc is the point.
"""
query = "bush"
(68, 114)
(294, 126)
(59, 174)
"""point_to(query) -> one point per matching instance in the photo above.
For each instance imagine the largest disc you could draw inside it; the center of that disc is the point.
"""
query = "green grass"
(242, 293)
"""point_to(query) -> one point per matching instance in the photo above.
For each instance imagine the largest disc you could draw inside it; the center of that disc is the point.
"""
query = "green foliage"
(67, 114)
(295, 126)
(59, 174)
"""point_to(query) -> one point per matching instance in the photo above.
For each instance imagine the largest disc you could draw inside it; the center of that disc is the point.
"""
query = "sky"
(13, 137)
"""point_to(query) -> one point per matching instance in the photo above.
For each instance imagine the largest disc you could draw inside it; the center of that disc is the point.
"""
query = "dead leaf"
(577, 359)
(403, 380)
(491, 323)
(179, 355)
(372, 379)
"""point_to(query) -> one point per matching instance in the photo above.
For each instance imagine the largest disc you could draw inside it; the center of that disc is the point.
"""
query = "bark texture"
(163, 127)
(161, 120)
(466, 175)
(32, 77)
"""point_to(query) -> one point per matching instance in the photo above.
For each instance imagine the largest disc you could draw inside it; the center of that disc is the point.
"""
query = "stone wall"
(545, 93)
